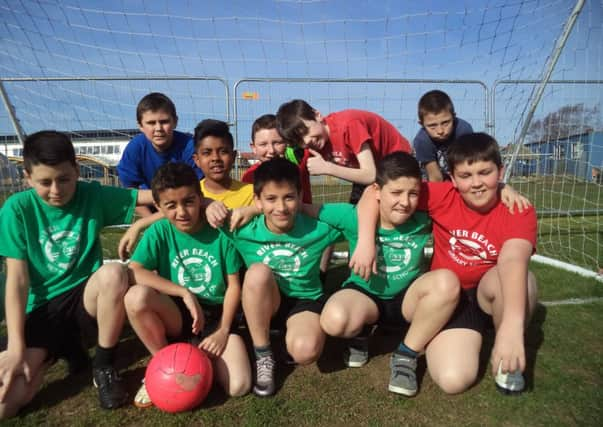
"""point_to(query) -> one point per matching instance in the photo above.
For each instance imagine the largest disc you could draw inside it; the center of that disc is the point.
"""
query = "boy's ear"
(501, 173)
(257, 202)
(377, 191)
(318, 116)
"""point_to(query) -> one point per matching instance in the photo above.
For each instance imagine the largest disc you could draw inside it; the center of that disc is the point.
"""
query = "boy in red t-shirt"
(489, 248)
(345, 144)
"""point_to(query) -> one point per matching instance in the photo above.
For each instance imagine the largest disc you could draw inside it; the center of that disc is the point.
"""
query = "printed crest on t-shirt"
(194, 269)
(394, 257)
(285, 259)
(60, 248)
(470, 248)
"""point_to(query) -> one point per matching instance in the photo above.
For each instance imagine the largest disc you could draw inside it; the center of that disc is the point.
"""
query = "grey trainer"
(403, 377)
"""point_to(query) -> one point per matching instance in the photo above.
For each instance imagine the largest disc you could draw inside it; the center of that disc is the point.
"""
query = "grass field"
(565, 379)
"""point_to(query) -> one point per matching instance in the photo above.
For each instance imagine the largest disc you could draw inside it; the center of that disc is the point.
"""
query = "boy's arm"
(130, 237)
(216, 342)
(364, 174)
(17, 288)
(363, 261)
(512, 198)
(434, 173)
(142, 276)
(144, 198)
(512, 269)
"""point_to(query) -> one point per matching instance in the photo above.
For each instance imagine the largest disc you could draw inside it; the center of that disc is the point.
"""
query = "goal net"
(78, 67)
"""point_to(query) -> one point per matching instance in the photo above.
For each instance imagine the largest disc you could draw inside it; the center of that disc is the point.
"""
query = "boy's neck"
(218, 187)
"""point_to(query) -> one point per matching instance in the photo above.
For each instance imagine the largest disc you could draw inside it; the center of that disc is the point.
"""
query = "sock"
(104, 357)
(262, 351)
(407, 351)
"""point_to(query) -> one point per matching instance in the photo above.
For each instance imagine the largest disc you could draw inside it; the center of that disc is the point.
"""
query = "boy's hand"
(195, 310)
(363, 261)
(216, 213)
(215, 343)
(241, 216)
(316, 164)
(509, 349)
(512, 198)
(11, 366)
(128, 242)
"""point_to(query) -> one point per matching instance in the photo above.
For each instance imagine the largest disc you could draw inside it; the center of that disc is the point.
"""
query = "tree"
(566, 121)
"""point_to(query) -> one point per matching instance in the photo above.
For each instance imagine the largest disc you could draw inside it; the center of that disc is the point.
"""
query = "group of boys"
(183, 281)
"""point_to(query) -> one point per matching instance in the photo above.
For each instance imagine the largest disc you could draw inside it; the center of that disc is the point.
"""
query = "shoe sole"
(119, 405)
(401, 390)
(141, 405)
(261, 393)
(354, 364)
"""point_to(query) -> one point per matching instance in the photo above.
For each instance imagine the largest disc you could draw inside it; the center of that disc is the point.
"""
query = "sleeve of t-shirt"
(128, 167)
(147, 251)
(463, 128)
(342, 216)
(12, 230)
(230, 256)
(187, 157)
(357, 134)
(423, 146)
(432, 195)
(524, 226)
(118, 204)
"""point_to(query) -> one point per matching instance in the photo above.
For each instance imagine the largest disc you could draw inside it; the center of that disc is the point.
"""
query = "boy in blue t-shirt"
(57, 287)
(439, 127)
(157, 144)
(187, 282)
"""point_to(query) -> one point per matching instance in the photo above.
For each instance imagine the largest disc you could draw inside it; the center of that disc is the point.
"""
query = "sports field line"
(571, 301)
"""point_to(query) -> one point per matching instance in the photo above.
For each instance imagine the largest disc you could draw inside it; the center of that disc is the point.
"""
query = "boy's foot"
(356, 355)
(111, 393)
(142, 399)
(509, 383)
(264, 376)
(403, 377)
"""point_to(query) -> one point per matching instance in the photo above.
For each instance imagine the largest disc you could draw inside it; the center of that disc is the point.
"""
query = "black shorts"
(390, 310)
(356, 193)
(468, 314)
(60, 324)
(291, 306)
(212, 315)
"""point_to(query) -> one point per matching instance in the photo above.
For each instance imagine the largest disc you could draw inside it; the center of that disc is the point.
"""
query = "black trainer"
(111, 392)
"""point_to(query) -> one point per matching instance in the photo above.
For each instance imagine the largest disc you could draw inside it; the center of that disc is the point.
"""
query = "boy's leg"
(232, 368)
(104, 300)
(427, 305)
(453, 359)
(153, 316)
(348, 313)
(21, 391)
(305, 338)
(261, 298)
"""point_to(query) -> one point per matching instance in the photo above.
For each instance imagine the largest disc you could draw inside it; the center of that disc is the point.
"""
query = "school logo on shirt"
(284, 259)
(60, 248)
(393, 257)
(471, 248)
(194, 269)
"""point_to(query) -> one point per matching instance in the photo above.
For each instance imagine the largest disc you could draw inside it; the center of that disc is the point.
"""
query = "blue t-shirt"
(426, 150)
(140, 160)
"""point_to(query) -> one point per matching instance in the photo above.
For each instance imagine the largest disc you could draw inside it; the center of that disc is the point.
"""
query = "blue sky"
(481, 40)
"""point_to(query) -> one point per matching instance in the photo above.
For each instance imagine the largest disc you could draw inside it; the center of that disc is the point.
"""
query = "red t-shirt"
(303, 174)
(468, 242)
(349, 129)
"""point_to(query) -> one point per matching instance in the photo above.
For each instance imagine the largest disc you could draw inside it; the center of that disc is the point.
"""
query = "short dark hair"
(473, 147)
(395, 165)
(155, 101)
(47, 147)
(289, 120)
(434, 102)
(277, 170)
(212, 127)
(267, 121)
(174, 175)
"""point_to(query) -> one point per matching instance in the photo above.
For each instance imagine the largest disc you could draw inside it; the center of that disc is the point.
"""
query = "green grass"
(564, 376)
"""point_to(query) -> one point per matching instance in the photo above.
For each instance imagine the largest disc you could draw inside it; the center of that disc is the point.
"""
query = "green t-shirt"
(61, 244)
(199, 261)
(294, 257)
(399, 251)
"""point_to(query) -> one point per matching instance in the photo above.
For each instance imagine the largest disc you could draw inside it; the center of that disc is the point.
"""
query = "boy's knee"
(304, 350)
(114, 279)
(257, 277)
(239, 386)
(454, 381)
(18, 396)
(135, 299)
(447, 286)
(334, 321)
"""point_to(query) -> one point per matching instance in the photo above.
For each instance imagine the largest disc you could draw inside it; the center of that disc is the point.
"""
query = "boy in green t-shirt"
(282, 250)
(56, 284)
(397, 295)
(195, 292)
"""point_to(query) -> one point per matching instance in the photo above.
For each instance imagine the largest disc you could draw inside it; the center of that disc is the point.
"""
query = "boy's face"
(279, 202)
(477, 183)
(215, 158)
(398, 200)
(318, 133)
(182, 207)
(55, 185)
(267, 144)
(438, 126)
(158, 127)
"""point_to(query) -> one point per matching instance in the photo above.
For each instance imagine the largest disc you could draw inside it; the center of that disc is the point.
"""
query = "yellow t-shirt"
(238, 195)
